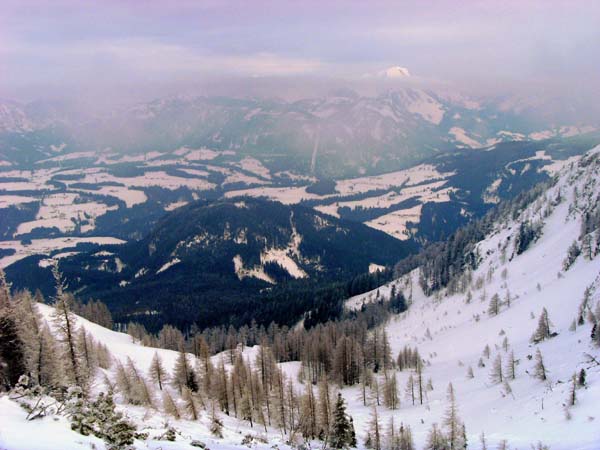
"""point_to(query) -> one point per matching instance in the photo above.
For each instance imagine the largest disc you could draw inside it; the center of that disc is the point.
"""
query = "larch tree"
(373, 439)
(511, 366)
(452, 422)
(216, 424)
(496, 375)
(573, 391)
(190, 404)
(157, 372)
(405, 438)
(390, 392)
(324, 408)
(64, 321)
(539, 369)
(410, 389)
(542, 331)
(169, 405)
(436, 440)
(494, 306)
(419, 380)
(184, 375)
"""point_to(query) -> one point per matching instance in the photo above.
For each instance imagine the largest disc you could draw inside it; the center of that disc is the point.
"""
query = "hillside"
(219, 262)
(529, 259)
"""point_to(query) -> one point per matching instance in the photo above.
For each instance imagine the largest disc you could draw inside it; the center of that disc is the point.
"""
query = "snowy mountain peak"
(395, 72)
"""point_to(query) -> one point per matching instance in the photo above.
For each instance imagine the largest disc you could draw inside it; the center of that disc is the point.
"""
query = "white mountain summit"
(394, 72)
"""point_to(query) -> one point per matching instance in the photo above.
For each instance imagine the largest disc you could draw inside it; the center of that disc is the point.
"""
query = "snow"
(252, 272)
(173, 206)
(450, 335)
(461, 136)
(131, 197)
(395, 72)
(394, 223)
(412, 176)
(62, 211)
(202, 154)
(168, 265)
(285, 195)
(459, 331)
(427, 107)
(46, 246)
(255, 166)
(12, 200)
(154, 178)
(375, 268)
(16, 433)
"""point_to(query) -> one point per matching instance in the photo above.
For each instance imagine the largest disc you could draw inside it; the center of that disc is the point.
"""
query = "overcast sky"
(55, 47)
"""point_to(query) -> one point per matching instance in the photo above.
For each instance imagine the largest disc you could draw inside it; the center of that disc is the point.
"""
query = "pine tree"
(540, 368)
(341, 432)
(157, 372)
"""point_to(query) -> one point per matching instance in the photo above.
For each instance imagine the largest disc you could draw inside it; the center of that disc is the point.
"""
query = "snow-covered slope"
(451, 332)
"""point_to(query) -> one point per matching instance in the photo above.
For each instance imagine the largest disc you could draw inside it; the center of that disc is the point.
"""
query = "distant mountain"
(343, 134)
(212, 261)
